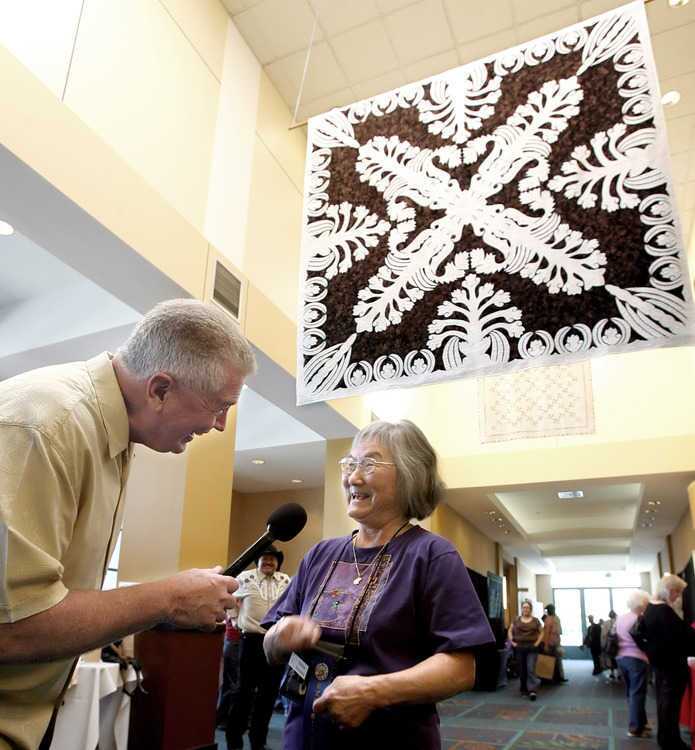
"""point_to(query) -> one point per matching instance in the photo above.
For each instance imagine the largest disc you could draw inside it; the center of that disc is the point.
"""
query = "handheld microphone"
(284, 524)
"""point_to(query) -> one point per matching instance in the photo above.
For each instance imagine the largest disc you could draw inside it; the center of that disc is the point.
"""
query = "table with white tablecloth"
(95, 709)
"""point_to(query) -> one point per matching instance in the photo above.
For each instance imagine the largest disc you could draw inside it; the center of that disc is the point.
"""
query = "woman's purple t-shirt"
(421, 603)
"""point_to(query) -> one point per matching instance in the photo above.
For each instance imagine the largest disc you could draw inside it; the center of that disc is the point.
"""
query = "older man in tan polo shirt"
(66, 436)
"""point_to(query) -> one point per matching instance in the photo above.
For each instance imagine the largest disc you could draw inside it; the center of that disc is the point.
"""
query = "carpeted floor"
(586, 713)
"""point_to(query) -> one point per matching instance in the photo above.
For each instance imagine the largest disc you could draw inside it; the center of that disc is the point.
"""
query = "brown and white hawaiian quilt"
(511, 212)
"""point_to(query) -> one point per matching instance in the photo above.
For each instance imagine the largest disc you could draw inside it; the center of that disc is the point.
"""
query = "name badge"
(299, 665)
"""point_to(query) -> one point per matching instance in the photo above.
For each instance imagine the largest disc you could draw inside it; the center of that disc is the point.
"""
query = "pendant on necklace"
(358, 580)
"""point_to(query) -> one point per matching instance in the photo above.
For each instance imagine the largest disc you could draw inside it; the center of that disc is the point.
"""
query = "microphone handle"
(249, 555)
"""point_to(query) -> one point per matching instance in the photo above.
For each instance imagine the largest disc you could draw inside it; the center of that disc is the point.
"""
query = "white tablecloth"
(95, 710)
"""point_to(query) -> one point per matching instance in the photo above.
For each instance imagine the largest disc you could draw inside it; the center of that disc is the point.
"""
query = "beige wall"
(477, 551)
(544, 591)
(526, 579)
(250, 513)
(683, 541)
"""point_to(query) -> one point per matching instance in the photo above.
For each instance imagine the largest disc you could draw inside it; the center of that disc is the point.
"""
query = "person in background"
(633, 665)
(394, 600)
(609, 662)
(671, 641)
(550, 644)
(230, 668)
(526, 633)
(259, 681)
(593, 641)
(66, 440)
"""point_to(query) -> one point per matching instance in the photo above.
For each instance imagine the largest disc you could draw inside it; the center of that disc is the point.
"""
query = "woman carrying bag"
(526, 633)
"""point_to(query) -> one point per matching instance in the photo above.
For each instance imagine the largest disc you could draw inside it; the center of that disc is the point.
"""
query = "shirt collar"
(111, 404)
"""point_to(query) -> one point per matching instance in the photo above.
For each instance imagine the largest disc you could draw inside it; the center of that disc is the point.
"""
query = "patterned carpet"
(586, 713)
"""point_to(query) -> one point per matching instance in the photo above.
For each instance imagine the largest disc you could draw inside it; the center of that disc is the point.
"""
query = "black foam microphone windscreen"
(287, 521)
(283, 524)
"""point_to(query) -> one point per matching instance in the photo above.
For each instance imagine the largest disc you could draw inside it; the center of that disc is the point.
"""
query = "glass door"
(568, 607)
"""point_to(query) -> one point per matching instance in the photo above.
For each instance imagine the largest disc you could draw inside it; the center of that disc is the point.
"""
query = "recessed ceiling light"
(258, 461)
(671, 98)
(506, 531)
(678, 3)
(296, 481)
(6, 229)
(570, 494)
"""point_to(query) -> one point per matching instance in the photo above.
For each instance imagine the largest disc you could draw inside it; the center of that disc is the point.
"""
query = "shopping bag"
(545, 666)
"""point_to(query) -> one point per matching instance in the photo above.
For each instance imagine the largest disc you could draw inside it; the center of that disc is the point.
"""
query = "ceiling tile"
(691, 169)
(663, 17)
(380, 85)
(547, 24)
(324, 75)
(324, 103)
(490, 16)
(336, 17)
(681, 134)
(526, 11)
(275, 28)
(679, 168)
(685, 86)
(487, 46)
(388, 6)
(432, 65)
(364, 52)
(673, 51)
(595, 7)
(419, 31)
(234, 6)
(687, 221)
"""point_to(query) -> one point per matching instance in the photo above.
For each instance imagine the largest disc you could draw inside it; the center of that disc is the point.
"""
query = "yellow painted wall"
(250, 513)
(152, 519)
(336, 521)
(206, 507)
(477, 550)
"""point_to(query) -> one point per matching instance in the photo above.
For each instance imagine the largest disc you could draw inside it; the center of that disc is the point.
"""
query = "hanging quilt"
(515, 211)
(536, 402)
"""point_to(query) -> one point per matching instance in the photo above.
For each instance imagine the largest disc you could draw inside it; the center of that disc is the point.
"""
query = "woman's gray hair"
(667, 584)
(637, 600)
(418, 484)
(194, 341)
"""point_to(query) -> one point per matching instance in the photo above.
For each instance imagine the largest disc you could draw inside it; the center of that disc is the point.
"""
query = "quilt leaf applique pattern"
(510, 212)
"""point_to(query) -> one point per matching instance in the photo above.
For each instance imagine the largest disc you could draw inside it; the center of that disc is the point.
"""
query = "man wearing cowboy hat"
(252, 708)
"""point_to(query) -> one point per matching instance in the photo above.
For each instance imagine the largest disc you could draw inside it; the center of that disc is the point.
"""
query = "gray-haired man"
(66, 436)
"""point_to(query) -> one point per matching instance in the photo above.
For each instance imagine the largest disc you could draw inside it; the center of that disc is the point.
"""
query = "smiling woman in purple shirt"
(378, 625)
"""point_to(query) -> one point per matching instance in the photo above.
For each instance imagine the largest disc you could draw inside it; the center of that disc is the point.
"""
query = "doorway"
(574, 605)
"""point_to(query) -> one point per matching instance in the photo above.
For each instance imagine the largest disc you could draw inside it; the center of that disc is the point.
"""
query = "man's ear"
(159, 386)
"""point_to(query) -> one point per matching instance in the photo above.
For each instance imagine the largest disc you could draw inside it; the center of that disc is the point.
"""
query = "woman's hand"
(294, 633)
(349, 700)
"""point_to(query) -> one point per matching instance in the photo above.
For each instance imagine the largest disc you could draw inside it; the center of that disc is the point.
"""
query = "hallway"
(586, 713)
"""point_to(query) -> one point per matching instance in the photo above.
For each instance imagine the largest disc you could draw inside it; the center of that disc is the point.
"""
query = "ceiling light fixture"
(296, 481)
(258, 461)
(570, 494)
(678, 3)
(671, 98)
(6, 229)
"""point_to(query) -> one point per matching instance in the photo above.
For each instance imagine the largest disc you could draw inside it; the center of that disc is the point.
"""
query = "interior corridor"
(586, 713)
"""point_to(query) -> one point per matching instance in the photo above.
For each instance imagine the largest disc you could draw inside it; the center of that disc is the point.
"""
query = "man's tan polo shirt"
(64, 455)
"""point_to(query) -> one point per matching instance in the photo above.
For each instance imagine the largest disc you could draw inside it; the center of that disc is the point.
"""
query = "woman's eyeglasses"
(365, 465)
